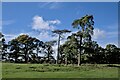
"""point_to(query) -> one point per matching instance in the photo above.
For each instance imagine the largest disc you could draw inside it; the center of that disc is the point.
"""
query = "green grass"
(11, 70)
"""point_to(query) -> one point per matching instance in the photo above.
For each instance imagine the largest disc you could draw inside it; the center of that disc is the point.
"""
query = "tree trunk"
(58, 50)
(79, 59)
(48, 55)
(15, 57)
(66, 61)
(79, 55)
(16, 54)
(26, 55)
(37, 54)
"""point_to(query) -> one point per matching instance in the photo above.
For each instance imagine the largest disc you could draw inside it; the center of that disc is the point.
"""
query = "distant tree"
(3, 46)
(28, 44)
(36, 47)
(14, 46)
(49, 49)
(73, 43)
(2, 40)
(112, 54)
(59, 32)
(69, 50)
(86, 24)
(93, 53)
(111, 47)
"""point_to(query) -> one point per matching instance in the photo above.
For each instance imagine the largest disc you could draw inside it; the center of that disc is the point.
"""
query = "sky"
(38, 19)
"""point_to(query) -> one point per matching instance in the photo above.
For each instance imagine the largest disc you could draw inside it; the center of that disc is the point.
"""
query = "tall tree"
(85, 26)
(59, 32)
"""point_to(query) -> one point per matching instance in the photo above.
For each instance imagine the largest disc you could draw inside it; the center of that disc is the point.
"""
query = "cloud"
(112, 31)
(42, 5)
(40, 24)
(54, 21)
(43, 36)
(104, 43)
(113, 27)
(5, 23)
(42, 29)
(50, 5)
(112, 34)
(98, 34)
(9, 37)
(104, 37)
(0, 26)
(54, 5)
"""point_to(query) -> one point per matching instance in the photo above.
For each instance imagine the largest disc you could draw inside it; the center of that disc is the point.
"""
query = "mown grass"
(11, 70)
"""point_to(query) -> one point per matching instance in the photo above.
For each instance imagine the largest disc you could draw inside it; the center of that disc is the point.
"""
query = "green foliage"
(86, 23)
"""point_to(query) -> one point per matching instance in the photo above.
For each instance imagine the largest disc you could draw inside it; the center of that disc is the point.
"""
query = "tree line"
(78, 48)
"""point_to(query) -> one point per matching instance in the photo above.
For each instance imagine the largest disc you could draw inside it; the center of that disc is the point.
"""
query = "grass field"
(11, 70)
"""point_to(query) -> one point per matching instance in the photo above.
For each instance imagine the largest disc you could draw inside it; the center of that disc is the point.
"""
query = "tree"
(36, 47)
(49, 49)
(86, 24)
(73, 44)
(69, 50)
(91, 51)
(3, 46)
(112, 53)
(59, 32)
(14, 46)
(2, 40)
(27, 44)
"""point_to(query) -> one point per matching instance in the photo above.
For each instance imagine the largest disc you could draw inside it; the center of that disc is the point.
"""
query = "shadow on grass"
(113, 66)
